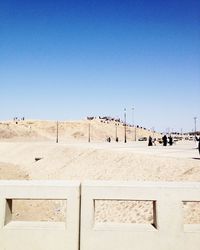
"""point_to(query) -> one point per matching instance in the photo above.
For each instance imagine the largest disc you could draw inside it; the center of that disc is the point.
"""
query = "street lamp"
(89, 132)
(116, 137)
(57, 132)
(124, 125)
(195, 125)
(133, 120)
(134, 127)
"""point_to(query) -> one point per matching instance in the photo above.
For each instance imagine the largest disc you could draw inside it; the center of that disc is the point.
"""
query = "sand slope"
(69, 131)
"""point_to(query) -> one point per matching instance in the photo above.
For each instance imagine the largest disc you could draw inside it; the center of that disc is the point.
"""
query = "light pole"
(133, 120)
(195, 125)
(124, 125)
(57, 132)
(116, 137)
(89, 132)
(134, 127)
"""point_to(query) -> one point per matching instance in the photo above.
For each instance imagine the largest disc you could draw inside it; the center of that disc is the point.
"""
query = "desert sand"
(73, 158)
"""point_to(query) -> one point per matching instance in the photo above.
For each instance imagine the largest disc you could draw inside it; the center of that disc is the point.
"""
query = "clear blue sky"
(69, 59)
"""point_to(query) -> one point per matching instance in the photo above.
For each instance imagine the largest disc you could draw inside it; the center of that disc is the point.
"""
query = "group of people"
(169, 141)
(109, 139)
(165, 140)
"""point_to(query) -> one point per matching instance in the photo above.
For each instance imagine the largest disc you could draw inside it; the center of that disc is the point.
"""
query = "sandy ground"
(103, 161)
(99, 161)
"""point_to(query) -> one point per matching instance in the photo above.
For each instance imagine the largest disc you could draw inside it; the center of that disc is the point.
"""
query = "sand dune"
(69, 131)
(104, 161)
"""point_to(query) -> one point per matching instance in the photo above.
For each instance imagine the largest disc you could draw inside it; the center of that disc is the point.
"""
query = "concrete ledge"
(81, 232)
(170, 232)
(25, 235)
(35, 225)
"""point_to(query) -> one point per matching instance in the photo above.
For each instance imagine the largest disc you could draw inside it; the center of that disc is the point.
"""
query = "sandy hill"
(98, 129)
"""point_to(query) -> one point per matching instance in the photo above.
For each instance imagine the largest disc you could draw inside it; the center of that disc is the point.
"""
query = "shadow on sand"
(196, 158)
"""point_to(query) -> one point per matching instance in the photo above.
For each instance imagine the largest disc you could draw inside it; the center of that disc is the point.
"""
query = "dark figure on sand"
(170, 140)
(108, 139)
(198, 139)
(164, 140)
(150, 143)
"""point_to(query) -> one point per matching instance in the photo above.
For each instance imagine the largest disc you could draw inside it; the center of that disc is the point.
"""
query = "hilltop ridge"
(98, 129)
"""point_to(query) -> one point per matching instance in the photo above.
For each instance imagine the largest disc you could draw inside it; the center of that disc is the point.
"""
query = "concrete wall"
(167, 233)
(22, 235)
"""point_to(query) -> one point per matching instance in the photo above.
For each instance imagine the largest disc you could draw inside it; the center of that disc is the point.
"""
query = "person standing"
(198, 139)
(150, 141)
(164, 140)
(170, 140)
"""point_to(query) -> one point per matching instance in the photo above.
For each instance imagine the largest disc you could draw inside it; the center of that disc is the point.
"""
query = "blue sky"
(67, 60)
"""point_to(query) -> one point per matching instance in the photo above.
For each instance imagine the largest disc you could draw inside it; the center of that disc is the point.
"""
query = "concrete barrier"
(26, 235)
(168, 231)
